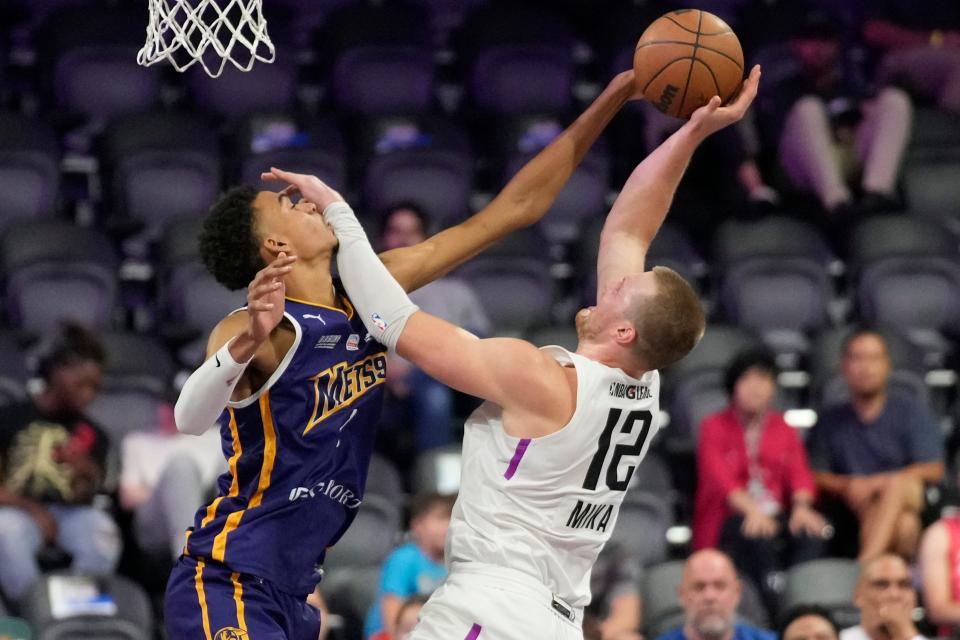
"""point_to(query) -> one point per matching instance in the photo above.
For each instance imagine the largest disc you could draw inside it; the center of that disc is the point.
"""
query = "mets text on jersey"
(340, 385)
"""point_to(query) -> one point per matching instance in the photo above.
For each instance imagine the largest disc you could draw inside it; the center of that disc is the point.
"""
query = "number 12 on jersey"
(614, 483)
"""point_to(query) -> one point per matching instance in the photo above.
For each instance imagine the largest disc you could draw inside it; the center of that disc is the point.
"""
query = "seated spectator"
(829, 128)
(709, 594)
(921, 48)
(886, 599)
(411, 391)
(808, 622)
(615, 587)
(415, 568)
(755, 489)
(164, 476)
(53, 461)
(735, 147)
(940, 569)
(877, 451)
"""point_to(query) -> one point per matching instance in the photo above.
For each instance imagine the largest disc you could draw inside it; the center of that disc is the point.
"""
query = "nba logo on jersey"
(378, 322)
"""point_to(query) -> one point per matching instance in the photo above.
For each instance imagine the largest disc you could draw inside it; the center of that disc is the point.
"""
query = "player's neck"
(611, 357)
(312, 282)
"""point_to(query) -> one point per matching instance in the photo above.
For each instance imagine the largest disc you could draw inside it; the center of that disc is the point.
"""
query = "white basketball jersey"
(546, 506)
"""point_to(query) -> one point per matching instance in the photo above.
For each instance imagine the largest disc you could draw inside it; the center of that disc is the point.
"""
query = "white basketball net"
(209, 32)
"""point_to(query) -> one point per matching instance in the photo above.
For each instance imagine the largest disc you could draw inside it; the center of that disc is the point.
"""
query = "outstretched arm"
(512, 373)
(521, 203)
(643, 202)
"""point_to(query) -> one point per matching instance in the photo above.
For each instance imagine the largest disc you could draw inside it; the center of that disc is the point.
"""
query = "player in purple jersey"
(294, 382)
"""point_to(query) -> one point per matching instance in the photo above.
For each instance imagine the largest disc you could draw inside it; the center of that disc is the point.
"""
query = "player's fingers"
(264, 289)
(259, 305)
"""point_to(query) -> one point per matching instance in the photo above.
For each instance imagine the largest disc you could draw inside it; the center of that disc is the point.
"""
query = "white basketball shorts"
(486, 602)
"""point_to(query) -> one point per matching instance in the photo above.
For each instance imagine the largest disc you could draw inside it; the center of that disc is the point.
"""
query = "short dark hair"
(801, 610)
(405, 205)
(863, 330)
(229, 246)
(71, 345)
(671, 323)
(758, 357)
(426, 502)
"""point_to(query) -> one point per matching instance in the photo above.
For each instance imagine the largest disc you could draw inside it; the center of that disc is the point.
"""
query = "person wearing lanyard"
(755, 489)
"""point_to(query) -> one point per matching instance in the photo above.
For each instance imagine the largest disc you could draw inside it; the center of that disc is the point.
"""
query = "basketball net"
(212, 33)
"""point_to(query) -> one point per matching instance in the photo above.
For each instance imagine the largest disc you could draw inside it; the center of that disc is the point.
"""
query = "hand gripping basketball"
(711, 117)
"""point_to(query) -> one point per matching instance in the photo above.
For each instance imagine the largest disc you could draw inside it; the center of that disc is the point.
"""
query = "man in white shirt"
(886, 599)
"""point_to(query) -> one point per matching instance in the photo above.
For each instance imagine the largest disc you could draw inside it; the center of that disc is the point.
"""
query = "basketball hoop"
(211, 32)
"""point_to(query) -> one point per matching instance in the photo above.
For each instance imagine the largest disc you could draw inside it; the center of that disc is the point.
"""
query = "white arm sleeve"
(382, 303)
(207, 391)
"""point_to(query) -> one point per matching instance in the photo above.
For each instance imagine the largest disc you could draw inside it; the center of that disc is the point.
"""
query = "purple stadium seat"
(528, 281)
(278, 140)
(101, 81)
(383, 79)
(29, 169)
(55, 271)
(235, 94)
(147, 154)
(522, 78)
(135, 384)
(581, 200)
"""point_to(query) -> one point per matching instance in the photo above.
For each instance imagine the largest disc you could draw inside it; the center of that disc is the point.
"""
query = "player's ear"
(625, 333)
(273, 245)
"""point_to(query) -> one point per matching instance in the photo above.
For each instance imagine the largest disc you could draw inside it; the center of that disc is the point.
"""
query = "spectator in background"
(429, 403)
(415, 568)
(808, 622)
(940, 570)
(920, 46)
(164, 476)
(755, 490)
(615, 585)
(877, 451)
(886, 599)
(53, 461)
(737, 147)
(710, 593)
(828, 127)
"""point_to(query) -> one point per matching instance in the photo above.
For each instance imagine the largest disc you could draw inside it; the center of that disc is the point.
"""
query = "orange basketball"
(685, 58)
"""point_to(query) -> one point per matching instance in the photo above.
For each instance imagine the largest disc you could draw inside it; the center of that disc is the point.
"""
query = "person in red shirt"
(940, 568)
(755, 489)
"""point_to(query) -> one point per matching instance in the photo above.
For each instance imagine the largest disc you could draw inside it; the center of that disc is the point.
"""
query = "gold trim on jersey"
(238, 598)
(266, 470)
(339, 386)
(234, 482)
(202, 597)
(348, 312)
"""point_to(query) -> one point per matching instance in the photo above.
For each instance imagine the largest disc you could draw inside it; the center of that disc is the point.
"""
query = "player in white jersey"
(548, 457)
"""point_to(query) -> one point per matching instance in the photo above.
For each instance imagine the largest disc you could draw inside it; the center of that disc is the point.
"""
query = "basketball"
(686, 57)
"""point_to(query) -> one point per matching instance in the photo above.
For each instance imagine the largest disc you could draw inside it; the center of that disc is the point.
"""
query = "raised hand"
(711, 117)
(310, 187)
(265, 297)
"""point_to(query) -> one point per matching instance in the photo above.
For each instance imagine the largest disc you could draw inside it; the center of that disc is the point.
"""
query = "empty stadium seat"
(830, 583)
(29, 169)
(381, 79)
(131, 617)
(235, 94)
(136, 383)
(160, 166)
(56, 271)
